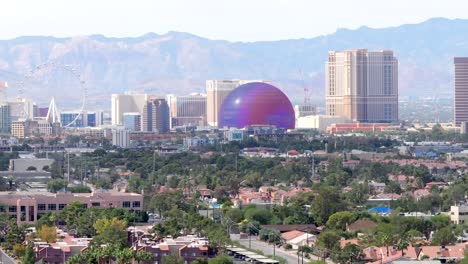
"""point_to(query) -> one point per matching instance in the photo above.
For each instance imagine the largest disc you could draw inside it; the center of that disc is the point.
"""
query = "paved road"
(267, 249)
(4, 259)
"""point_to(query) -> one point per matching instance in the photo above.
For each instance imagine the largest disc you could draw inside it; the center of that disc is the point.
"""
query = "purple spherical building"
(256, 104)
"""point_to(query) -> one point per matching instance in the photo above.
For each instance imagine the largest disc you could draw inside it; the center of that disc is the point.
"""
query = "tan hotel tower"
(362, 85)
(461, 90)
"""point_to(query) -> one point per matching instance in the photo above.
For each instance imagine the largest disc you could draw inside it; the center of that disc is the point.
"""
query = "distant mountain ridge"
(180, 63)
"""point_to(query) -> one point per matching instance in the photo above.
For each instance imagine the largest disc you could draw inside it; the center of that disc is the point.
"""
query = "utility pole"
(249, 225)
(68, 166)
(154, 160)
(274, 246)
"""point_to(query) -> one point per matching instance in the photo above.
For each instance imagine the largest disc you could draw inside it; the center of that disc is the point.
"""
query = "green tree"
(172, 259)
(56, 185)
(141, 256)
(19, 250)
(413, 235)
(235, 215)
(55, 170)
(200, 261)
(440, 221)
(72, 213)
(111, 231)
(465, 258)
(124, 255)
(326, 202)
(327, 241)
(261, 215)
(47, 233)
(220, 260)
(14, 234)
(250, 227)
(217, 237)
(444, 236)
(386, 236)
(28, 257)
(402, 244)
(340, 220)
(349, 254)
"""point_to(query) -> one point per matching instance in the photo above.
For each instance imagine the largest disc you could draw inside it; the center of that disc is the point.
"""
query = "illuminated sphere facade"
(256, 104)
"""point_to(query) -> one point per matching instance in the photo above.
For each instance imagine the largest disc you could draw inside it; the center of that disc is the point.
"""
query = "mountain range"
(180, 63)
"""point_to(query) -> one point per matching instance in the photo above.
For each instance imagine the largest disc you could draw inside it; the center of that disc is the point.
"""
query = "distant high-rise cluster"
(140, 112)
(362, 85)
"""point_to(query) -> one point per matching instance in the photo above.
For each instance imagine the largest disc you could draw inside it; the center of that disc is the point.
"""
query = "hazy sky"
(238, 20)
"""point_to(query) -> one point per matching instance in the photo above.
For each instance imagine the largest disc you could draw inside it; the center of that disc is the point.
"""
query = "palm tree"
(402, 244)
(385, 239)
(124, 256)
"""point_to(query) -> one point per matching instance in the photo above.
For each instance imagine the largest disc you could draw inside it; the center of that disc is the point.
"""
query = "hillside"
(180, 62)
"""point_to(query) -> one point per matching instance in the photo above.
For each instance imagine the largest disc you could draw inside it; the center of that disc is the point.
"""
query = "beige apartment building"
(461, 90)
(216, 91)
(28, 207)
(362, 85)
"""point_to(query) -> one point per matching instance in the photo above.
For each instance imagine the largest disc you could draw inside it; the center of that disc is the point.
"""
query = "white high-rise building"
(216, 91)
(362, 85)
(21, 108)
(121, 138)
(126, 103)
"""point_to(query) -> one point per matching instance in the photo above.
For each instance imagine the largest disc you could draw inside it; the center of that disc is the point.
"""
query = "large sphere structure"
(256, 103)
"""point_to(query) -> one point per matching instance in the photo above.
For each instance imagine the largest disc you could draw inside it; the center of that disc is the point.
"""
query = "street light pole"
(274, 248)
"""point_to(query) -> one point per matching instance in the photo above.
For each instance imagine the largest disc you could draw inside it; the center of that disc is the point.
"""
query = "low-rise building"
(357, 127)
(459, 214)
(189, 248)
(30, 164)
(319, 122)
(28, 207)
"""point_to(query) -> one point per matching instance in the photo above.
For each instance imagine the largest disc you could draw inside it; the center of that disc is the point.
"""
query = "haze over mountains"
(180, 62)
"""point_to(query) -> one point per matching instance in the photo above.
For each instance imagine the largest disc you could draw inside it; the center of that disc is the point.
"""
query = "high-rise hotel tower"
(461, 90)
(362, 85)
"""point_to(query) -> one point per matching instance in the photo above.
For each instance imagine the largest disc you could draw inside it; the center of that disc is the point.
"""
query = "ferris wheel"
(40, 73)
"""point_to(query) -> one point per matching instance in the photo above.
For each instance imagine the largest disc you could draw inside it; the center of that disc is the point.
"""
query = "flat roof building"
(28, 207)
